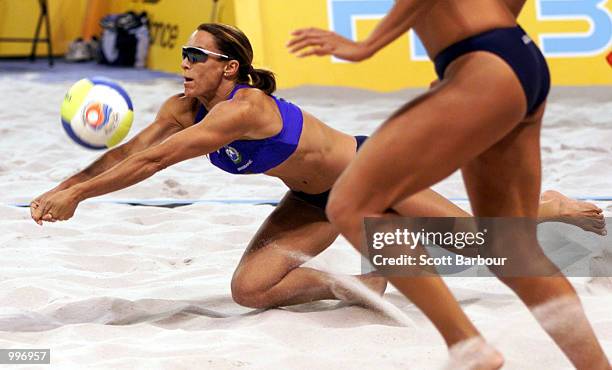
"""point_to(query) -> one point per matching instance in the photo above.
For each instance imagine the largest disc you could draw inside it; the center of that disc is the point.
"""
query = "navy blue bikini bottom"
(320, 200)
(515, 47)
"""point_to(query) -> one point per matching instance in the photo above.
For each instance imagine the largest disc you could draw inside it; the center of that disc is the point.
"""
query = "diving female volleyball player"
(484, 117)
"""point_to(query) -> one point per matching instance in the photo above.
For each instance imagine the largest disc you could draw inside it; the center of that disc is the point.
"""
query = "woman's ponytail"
(263, 79)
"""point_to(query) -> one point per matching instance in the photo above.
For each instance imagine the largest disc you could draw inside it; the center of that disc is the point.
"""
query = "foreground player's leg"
(565, 320)
(430, 138)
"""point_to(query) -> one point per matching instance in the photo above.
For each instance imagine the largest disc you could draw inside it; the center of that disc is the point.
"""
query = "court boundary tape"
(170, 202)
(165, 202)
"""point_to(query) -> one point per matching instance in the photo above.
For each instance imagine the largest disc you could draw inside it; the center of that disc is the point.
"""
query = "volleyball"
(97, 113)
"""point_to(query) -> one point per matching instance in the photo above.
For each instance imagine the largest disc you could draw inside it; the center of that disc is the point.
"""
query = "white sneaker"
(78, 51)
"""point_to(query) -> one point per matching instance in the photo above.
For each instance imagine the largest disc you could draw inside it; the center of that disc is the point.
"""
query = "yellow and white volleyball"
(97, 113)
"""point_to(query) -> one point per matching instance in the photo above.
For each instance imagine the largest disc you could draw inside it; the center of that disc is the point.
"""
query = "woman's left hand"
(322, 42)
(58, 207)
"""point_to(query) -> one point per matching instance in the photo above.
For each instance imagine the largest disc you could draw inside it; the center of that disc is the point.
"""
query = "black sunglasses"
(197, 55)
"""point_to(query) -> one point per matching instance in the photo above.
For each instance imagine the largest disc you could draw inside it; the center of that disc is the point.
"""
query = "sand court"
(140, 278)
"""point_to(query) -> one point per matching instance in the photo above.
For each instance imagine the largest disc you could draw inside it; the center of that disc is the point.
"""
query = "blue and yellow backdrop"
(575, 35)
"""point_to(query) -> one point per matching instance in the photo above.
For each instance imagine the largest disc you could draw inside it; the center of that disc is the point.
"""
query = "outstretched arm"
(163, 126)
(223, 124)
(399, 20)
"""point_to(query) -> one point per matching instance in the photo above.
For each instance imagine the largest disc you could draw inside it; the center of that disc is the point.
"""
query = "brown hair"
(234, 43)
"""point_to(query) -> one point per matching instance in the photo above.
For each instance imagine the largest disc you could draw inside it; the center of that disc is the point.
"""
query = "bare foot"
(474, 354)
(587, 216)
(360, 290)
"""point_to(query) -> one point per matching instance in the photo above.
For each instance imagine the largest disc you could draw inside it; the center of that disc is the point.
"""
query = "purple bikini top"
(261, 155)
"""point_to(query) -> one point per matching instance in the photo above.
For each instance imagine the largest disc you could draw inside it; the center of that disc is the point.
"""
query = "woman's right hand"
(322, 42)
(41, 199)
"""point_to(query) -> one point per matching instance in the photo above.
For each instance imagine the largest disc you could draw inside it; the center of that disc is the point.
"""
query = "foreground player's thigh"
(479, 102)
(509, 172)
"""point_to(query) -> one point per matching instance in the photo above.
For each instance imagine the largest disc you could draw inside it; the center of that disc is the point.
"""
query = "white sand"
(122, 287)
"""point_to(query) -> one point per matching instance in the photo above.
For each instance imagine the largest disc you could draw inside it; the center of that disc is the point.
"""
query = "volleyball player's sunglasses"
(197, 55)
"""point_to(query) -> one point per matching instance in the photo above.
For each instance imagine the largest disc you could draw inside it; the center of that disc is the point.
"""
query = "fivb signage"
(344, 15)
(595, 41)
